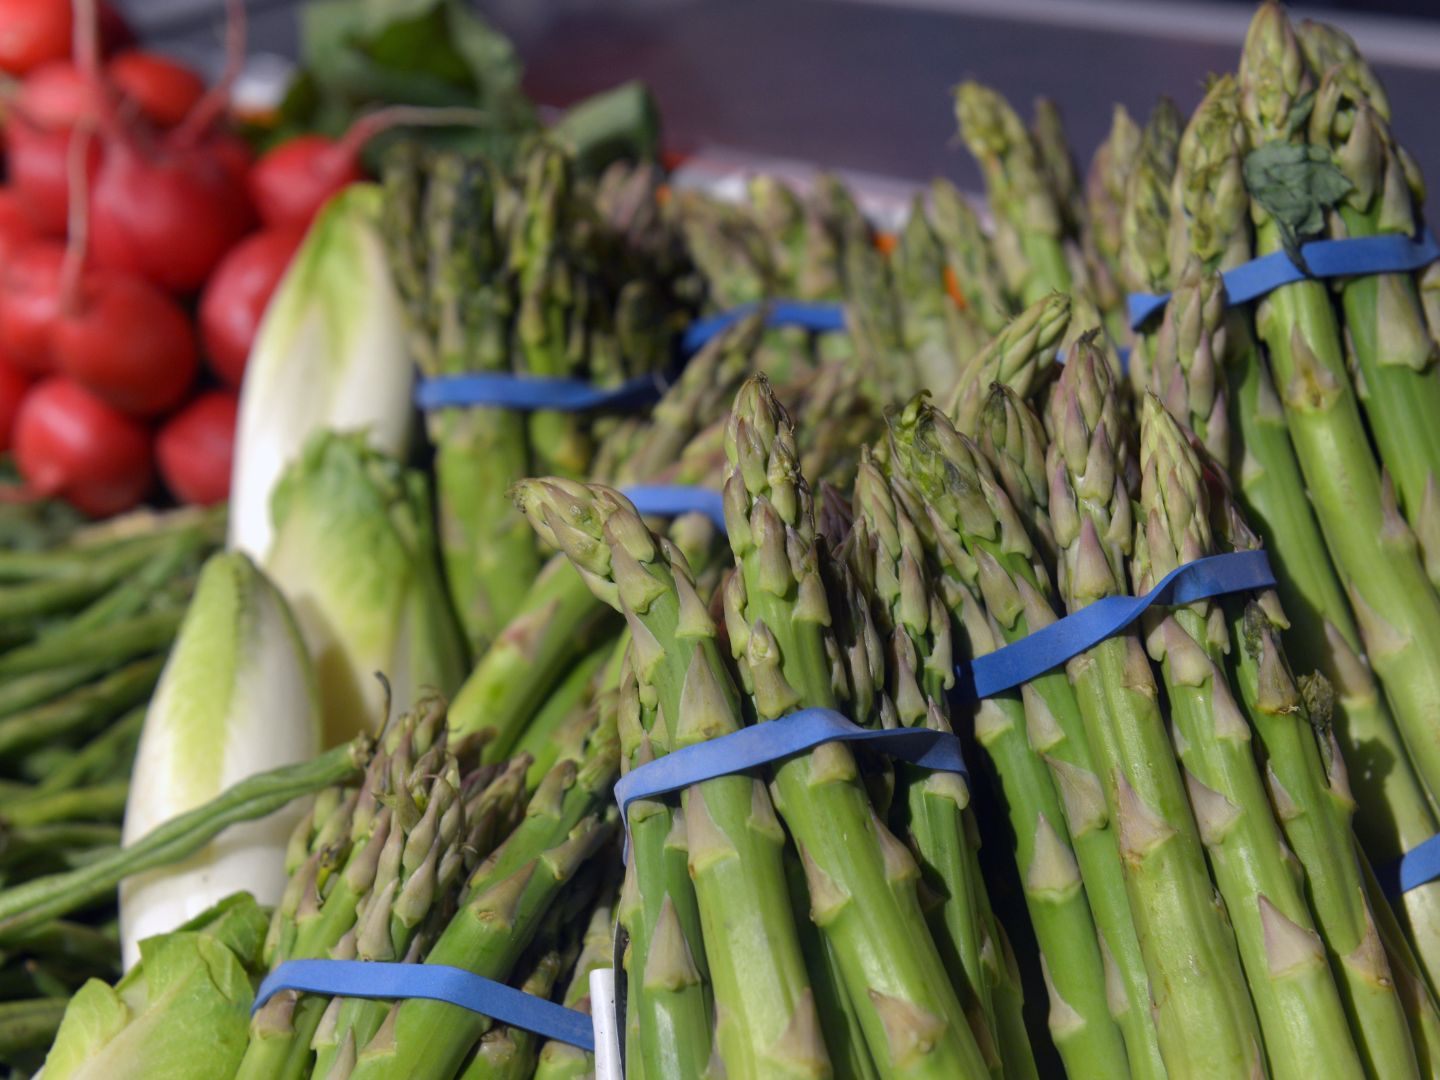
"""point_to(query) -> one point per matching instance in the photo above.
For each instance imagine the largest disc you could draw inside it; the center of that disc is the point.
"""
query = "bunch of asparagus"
(1319, 400)
(527, 272)
(85, 624)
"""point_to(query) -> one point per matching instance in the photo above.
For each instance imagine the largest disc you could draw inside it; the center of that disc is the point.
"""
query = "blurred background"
(862, 86)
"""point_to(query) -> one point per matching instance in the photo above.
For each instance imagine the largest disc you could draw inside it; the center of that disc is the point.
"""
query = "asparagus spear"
(934, 331)
(1058, 164)
(1080, 1020)
(982, 542)
(1028, 223)
(969, 257)
(1309, 785)
(862, 880)
(1301, 1017)
(1396, 608)
(1015, 357)
(1145, 221)
(767, 1022)
(1203, 1014)
(1014, 440)
(1106, 182)
(558, 1060)
(1389, 341)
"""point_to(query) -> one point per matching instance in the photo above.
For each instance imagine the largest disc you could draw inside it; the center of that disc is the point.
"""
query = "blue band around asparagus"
(1350, 257)
(436, 982)
(532, 393)
(1051, 646)
(761, 744)
(1418, 866)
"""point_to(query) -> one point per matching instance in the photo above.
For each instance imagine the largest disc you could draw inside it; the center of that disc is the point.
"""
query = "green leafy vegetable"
(1296, 183)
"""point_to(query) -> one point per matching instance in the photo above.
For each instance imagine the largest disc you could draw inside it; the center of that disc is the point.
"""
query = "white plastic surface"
(602, 1014)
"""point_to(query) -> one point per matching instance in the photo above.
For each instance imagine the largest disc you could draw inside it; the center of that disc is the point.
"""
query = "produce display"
(1007, 648)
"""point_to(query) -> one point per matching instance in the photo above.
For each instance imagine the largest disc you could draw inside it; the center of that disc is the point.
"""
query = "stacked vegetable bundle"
(528, 272)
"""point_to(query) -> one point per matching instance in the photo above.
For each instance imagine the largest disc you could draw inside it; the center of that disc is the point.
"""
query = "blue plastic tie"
(818, 318)
(1050, 646)
(760, 744)
(1418, 866)
(531, 393)
(1350, 257)
(675, 500)
(436, 982)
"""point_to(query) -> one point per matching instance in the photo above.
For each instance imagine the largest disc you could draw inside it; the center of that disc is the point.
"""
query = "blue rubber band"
(436, 982)
(761, 744)
(675, 500)
(818, 318)
(1350, 257)
(1050, 646)
(530, 393)
(1418, 866)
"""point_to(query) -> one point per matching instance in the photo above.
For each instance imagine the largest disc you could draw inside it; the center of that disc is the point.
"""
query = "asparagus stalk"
(1397, 610)
(1211, 220)
(981, 540)
(1106, 182)
(1309, 785)
(1058, 164)
(557, 622)
(862, 880)
(1028, 223)
(934, 331)
(558, 1060)
(969, 257)
(1301, 1016)
(767, 1023)
(1389, 341)
(1014, 440)
(510, 1053)
(1145, 221)
(1015, 357)
(1080, 1022)
(1203, 1015)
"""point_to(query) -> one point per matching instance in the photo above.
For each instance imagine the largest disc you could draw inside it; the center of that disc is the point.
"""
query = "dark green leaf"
(1295, 183)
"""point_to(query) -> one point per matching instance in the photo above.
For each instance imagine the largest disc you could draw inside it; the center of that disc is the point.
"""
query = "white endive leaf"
(330, 354)
(238, 696)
